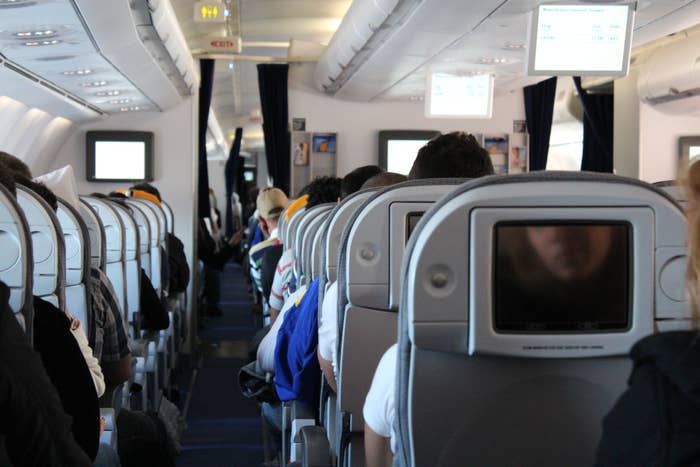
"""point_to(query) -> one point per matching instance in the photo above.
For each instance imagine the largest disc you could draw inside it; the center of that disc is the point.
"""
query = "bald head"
(384, 179)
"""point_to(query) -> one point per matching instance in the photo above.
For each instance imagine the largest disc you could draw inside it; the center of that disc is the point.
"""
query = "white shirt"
(280, 284)
(328, 327)
(92, 363)
(266, 349)
(379, 408)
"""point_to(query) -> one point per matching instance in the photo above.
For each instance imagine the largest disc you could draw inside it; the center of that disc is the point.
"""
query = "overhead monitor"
(398, 148)
(119, 156)
(580, 39)
(452, 95)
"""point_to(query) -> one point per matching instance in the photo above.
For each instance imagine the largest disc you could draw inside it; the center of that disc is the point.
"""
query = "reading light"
(119, 101)
(46, 42)
(231, 65)
(107, 93)
(513, 46)
(94, 84)
(35, 34)
(492, 61)
(82, 72)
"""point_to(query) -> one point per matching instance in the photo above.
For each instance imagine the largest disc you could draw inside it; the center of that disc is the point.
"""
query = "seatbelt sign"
(210, 12)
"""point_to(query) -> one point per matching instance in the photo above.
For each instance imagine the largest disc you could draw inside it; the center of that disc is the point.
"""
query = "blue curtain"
(539, 109)
(206, 67)
(272, 81)
(233, 173)
(598, 113)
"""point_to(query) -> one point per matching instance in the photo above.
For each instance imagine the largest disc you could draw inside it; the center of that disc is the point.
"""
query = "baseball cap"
(271, 203)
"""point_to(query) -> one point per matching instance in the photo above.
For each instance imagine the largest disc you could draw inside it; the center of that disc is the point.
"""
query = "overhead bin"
(669, 79)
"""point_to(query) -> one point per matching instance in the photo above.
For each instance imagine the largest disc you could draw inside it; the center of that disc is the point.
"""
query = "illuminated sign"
(232, 45)
(209, 12)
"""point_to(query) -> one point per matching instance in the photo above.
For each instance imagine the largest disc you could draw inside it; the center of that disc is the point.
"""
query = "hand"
(236, 238)
(74, 323)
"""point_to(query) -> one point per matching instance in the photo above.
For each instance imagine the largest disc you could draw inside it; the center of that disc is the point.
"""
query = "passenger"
(656, 421)
(271, 202)
(451, 155)
(15, 165)
(328, 320)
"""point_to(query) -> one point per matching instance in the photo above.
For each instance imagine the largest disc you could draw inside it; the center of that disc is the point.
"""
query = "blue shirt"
(297, 372)
(257, 237)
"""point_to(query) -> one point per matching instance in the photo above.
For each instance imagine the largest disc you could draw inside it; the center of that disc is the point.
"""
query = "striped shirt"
(106, 331)
(281, 283)
(256, 254)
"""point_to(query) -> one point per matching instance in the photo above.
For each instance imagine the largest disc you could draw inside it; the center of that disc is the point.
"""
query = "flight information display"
(124, 160)
(562, 277)
(401, 153)
(588, 39)
(459, 96)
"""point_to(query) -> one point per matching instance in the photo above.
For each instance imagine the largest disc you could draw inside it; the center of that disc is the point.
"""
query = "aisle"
(223, 428)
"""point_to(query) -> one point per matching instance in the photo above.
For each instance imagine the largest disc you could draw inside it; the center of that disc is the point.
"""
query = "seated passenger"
(321, 190)
(271, 202)
(656, 421)
(328, 319)
(451, 155)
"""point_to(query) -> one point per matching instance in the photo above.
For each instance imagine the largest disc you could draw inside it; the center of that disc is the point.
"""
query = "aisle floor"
(223, 427)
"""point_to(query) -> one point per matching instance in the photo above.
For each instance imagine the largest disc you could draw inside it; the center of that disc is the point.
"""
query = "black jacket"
(34, 429)
(656, 422)
(177, 261)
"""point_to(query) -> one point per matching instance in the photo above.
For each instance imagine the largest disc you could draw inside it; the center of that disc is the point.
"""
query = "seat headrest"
(113, 228)
(545, 265)
(62, 183)
(308, 218)
(309, 236)
(77, 242)
(291, 227)
(96, 232)
(374, 239)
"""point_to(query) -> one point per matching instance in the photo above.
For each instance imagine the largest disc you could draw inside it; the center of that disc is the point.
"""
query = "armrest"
(315, 450)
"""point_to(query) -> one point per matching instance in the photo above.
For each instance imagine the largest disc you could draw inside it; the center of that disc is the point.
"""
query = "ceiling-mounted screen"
(580, 39)
(459, 96)
(119, 156)
(398, 148)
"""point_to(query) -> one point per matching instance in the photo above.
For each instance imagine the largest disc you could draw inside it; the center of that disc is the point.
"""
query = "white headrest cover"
(62, 183)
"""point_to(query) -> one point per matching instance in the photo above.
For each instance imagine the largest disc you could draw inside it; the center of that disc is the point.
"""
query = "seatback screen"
(412, 220)
(561, 277)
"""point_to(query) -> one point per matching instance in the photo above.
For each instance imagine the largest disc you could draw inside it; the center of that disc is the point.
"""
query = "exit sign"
(231, 44)
(210, 12)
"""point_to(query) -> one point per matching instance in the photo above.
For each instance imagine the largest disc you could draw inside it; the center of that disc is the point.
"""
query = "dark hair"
(384, 179)
(7, 179)
(353, 181)
(454, 155)
(118, 194)
(15, 165)
(40, 189)
(99, 195)
(148, 188)
(322, 190)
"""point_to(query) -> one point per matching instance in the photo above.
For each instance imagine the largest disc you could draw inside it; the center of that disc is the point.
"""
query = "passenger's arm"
(274, 313)
(377, 449)
(116, 373)
(327, 369)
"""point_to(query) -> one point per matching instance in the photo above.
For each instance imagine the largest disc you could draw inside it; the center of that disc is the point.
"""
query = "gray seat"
(132, 260)
(96, 233)
(317, 252)
(169, 216)
(157, 237)
(144, 235)
(675, 191)
(505, 357)
(371, 250)
(16, 260)
(290, 228)
(308, 223)
(48, 249)
(77, 242)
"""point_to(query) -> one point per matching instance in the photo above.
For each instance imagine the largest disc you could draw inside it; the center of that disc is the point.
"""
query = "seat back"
(96, 232)
(156, 239)
(338, 218)
(48, 249)
(144, 228)
(290, 228)
(523, 297)
(16, 258)
(304, 235)
(169, 216)
(675, 191)
(132, 259)
(371, 247)
(317, 252)
(115, 239)
(76, 238)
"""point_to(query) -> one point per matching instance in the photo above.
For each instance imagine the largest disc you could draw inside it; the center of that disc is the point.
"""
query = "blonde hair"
(690, 180)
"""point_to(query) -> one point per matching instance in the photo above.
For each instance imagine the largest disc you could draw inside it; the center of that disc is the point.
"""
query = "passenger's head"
(38, 188)
(15, 165)
(117, 194)
(148, 188)
(322, 190)
(691, 181)
(7, 179)
(384, 179)
(454, 155)
(271, 202)
(353, 181)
